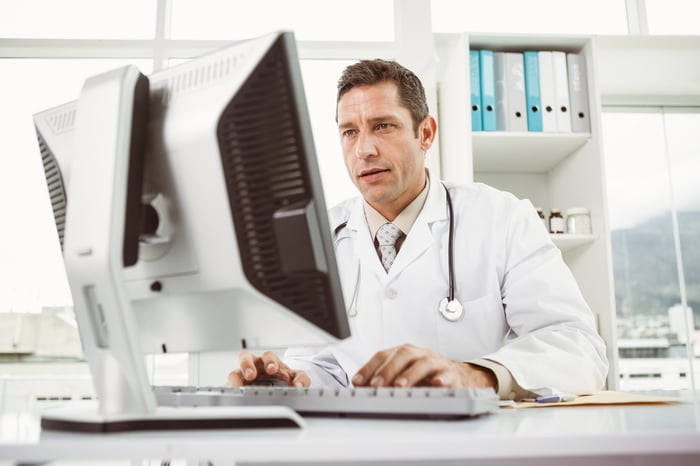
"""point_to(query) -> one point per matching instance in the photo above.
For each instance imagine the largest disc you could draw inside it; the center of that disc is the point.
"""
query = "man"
(518, 323)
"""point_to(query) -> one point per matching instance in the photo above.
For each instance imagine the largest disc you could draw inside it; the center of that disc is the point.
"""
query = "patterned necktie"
(387, 236)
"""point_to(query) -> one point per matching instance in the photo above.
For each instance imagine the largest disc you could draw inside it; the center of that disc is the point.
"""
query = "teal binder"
(475, 87)
(488, 90)
(532, 91)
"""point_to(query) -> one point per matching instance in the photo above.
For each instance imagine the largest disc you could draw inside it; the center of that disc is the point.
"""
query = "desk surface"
(601, 435)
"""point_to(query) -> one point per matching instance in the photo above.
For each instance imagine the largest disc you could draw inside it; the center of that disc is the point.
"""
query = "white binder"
(578, 91)
(549, 117)
(511, 112)
(561, 92)
(499, 73)
(517, 109)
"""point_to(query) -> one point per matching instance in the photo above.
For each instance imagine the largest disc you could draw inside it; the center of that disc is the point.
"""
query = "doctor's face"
(384, 155)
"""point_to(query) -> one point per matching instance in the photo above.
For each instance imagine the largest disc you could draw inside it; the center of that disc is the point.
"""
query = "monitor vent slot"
(265, 167)
(54, 182)
(62, 121)
(188, 78)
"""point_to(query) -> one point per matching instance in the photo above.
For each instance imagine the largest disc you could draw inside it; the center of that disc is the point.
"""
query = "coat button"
(391, 293)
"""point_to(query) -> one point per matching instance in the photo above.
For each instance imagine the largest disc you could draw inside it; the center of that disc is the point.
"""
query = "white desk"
(615, 435)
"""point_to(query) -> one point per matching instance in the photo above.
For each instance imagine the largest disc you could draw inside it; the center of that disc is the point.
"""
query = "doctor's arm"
(553, 343)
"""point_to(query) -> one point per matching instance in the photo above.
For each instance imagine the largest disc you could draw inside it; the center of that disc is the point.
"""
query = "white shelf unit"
(560, 170)
(568, 242)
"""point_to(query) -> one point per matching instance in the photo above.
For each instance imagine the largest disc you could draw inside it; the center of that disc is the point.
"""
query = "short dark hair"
(368, 72)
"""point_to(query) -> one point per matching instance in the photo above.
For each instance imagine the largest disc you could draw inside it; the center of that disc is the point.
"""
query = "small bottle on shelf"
(556, 221)
(578, 221)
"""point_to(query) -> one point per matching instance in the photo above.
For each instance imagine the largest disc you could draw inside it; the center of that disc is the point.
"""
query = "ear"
(427, 132)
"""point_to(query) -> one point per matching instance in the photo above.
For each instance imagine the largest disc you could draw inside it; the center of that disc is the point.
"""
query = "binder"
(578, 93)
(511, 112)
(488, 90)
(499, 73)
(561, 92)
(532, 91)
(517, 106)
(475, 88)
(549, 116)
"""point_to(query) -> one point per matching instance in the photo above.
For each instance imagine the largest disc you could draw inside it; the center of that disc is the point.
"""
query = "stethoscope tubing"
(450, 248)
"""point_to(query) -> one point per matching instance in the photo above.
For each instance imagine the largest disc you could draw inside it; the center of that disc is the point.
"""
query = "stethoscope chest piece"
(451, 309)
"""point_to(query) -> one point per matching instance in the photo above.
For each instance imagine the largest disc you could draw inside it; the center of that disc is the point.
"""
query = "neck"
(392, 210)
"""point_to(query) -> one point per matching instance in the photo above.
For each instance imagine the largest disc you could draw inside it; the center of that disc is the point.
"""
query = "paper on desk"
(604, 397)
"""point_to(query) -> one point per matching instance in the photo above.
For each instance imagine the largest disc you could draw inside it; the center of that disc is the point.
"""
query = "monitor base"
(85, 417)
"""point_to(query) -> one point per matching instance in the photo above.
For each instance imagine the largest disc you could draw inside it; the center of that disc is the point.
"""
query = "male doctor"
(516, 322)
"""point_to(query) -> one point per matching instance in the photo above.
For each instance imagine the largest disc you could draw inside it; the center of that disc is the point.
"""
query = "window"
(31, 269)
(534, 16)
(78, 19)
(363, 20)
(673, 16)
(652, 160)
(320, 78)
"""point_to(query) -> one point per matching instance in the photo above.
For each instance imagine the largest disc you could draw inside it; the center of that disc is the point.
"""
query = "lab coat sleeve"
(320, 365)
(553, 343)
(508, 388)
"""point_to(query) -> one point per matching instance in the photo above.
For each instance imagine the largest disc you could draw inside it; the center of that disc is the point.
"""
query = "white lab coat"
(522, 306)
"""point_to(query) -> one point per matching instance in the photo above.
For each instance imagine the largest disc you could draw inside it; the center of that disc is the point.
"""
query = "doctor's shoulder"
(488, 198)
(339, 214)
(494, 209)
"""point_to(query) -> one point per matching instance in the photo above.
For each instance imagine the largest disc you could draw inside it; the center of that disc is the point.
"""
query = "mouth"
(370, 172)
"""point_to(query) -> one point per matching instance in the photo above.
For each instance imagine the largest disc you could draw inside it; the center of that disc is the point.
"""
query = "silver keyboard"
(414, 402)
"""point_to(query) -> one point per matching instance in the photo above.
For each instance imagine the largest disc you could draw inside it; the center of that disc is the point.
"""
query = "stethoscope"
(449, 307)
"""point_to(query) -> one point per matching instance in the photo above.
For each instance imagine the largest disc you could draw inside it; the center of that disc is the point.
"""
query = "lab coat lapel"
(364, 244)
(421, 236)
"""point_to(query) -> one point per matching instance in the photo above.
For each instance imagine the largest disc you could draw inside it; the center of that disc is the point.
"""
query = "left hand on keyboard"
(266, 369)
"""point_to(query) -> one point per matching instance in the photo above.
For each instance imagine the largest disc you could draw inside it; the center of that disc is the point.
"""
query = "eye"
(384, 126)
(348, 133)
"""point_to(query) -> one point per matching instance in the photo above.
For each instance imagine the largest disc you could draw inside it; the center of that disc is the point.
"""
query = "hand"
(409, 366)
(256, 369)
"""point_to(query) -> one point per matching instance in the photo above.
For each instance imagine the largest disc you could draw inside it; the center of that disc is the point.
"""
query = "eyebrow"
(378, 119)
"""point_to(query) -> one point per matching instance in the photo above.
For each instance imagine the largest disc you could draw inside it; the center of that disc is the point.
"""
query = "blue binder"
(532, 91)
(475, 87)
(488, 90)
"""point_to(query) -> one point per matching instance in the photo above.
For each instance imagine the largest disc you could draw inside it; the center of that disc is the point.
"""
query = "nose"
(365, 146)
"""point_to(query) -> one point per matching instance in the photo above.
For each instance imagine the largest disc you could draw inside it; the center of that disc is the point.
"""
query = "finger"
(270, 362)
(403, 358)
(465, 375)
(395, 362)
(301, 380)
(420, 371)
(247, 363)
(235, 379)
(367, 372)
(445, 379)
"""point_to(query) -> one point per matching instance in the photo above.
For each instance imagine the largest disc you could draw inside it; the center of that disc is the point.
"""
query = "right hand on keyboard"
(266, 369)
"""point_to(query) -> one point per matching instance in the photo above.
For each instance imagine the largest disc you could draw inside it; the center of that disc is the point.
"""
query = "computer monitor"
(190, 211)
